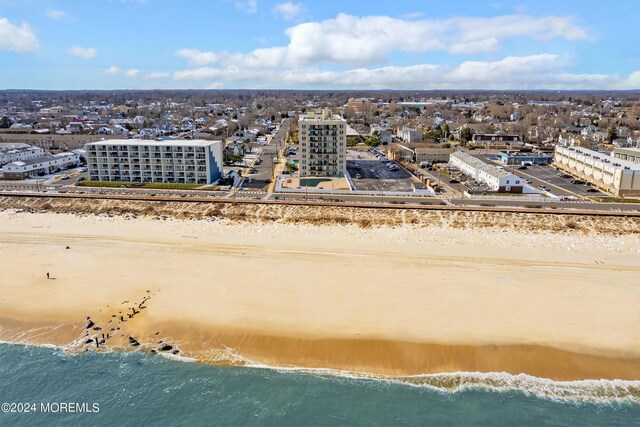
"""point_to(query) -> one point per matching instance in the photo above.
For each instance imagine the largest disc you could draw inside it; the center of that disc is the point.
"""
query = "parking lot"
(560, 186)
(374, 175)
(547, 176)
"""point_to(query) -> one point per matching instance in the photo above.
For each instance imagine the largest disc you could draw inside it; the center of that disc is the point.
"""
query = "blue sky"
(129, 44)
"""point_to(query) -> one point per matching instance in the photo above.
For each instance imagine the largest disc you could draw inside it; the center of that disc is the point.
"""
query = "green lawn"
(156, 185)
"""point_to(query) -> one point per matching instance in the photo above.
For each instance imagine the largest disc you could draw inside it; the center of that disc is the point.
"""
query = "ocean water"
(138, 389)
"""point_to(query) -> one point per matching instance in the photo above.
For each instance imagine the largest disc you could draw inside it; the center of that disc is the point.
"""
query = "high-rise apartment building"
(323, 144)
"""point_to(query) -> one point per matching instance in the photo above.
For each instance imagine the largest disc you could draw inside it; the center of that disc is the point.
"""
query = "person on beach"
(48, 275)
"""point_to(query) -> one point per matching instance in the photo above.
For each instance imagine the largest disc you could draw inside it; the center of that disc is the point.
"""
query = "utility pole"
(273, 171)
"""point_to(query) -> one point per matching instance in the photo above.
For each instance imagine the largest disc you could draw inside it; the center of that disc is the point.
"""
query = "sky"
(330, 44)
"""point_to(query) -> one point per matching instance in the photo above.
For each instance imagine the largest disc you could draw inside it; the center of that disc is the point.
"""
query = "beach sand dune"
(398, 300)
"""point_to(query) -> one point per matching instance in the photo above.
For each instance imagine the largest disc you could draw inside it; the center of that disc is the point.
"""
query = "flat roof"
(433, 150)
(527, 153)
(605, 158)
(320, 115)
(628, 150)
(482, 165)
(155, 142)
(14, 146)
(42, 159)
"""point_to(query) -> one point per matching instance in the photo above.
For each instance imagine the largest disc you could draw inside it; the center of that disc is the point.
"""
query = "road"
(265, 170)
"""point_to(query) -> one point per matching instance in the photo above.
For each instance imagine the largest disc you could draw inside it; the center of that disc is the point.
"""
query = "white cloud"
(17, 38)
(82, 52)
(113, 70)
(57, 15)
(544, 71)
(247, 6)
(368, 41)
(632, 81)
(116, 71)
(288, 10)
(197, 57)
(484, 45)
(159, 75)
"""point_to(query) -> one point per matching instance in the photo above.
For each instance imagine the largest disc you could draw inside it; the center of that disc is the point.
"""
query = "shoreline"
(391, 301)
(589, 391)
(360, 356)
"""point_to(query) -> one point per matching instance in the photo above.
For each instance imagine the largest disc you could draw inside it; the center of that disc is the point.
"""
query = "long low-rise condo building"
(629, 154)
(166, 161)
(608, 173)
(40, 166)
(496, 179)
(18, 152)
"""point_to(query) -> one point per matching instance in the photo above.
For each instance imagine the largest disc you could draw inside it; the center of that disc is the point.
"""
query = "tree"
(373, 141)
(436, 133)
(466, 134)
(229, 158)
(612, 134)
(445, 130)
(5, 122)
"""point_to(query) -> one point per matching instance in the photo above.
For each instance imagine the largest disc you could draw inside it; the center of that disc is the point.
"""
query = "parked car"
(454, 181)
(592, 190)
(522, 168)
(577, 181)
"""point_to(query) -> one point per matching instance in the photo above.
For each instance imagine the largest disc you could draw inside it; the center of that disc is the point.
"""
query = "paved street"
(265, 169)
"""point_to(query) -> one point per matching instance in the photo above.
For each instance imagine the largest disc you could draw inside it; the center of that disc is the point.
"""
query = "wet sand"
(402, 301)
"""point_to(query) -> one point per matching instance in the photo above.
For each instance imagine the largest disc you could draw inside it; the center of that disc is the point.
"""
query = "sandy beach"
(399, 300)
